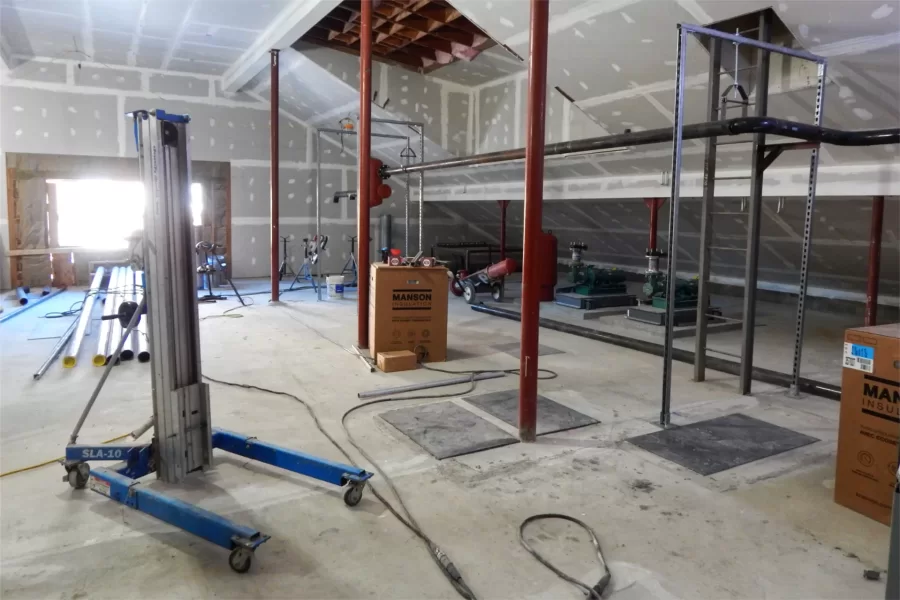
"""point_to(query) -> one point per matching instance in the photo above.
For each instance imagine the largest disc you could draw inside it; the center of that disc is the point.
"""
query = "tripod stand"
(213, 262)
(350, 266)
(311, 248)
(285, 268)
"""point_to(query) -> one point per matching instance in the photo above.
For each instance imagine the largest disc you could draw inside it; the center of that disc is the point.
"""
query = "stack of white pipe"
(109, 308)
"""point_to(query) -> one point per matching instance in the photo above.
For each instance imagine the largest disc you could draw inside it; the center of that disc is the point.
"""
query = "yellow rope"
(56, 460)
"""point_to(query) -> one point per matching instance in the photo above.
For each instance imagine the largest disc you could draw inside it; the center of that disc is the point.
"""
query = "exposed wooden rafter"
(423, 35)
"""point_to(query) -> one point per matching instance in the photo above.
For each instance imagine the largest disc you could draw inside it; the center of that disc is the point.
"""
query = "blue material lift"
(183, 438)
(121, 483)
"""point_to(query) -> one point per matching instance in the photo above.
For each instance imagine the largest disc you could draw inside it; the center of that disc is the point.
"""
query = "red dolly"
(467, 285)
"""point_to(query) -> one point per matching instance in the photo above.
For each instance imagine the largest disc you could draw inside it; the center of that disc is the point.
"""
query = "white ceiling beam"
(170, 53)
(87, 29)
(295, 20)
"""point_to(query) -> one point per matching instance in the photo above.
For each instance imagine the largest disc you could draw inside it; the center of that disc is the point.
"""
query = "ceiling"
(423, 35)
(197, 36)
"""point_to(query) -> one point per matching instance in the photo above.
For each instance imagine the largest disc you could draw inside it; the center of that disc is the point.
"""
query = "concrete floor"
(766, 529)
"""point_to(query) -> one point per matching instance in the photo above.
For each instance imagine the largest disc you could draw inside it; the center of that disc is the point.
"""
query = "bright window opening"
(103, 214)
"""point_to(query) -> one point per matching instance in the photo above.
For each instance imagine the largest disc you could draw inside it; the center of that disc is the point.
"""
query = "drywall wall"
(617, 230)
(69, 108)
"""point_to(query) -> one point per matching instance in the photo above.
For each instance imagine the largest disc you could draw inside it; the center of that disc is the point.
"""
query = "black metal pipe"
(809, 386)
(738, 126)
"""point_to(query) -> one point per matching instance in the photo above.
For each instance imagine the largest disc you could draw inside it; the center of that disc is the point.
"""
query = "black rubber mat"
(551, 416)
(514, 349)
(708, 447)
(446, 430)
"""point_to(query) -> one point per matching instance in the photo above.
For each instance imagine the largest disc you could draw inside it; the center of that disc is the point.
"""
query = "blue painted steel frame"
(120, 483)
(285, 458)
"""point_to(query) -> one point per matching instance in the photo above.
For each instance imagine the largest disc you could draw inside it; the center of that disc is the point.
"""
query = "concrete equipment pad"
(446, 430)
(551, 416)
(514, 349)
(707, 447)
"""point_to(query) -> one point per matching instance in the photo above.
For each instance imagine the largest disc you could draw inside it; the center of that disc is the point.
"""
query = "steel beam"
(706, 210)
(874, 273)
(534, 198)
(273, 176)
(754, 210)
(364, 154)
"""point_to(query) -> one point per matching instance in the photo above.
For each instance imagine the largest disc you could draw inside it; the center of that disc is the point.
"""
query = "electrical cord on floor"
(593, 593)
(423, 354)
(443, 561)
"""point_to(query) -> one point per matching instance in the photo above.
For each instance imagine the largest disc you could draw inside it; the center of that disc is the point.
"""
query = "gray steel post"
(318, 209)
(757, 170)
(406, 234)
(421, 182)
(807, 238)
(665, 411)
(706, 220)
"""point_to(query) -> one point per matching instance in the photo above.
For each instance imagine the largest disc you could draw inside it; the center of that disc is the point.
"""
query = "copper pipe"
(273, 176)
(874, 261)
(364, 140)
(534, 198)
(653, 204)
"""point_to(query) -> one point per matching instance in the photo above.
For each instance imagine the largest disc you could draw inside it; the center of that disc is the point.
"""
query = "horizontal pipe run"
(57, 349)
(744, 41)
(809, 386)
(70, 358)
(738, 126)
(396, 122)
(351, 132)
(9, 315)
(429, 385)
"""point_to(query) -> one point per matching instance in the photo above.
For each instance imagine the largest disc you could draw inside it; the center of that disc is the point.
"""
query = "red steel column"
(504, 204)
(874, 261)
(534, 199)
(653, 204)
(273, 175)
(363, 187)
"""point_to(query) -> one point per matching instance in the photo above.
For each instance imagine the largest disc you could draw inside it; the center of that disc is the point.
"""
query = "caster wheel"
(497, 292)
(468, 292)
(78, 475)
(353, 494)
(240, 559)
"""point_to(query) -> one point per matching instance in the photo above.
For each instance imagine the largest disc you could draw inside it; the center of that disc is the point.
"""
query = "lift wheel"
(240, 559)
(354, 493)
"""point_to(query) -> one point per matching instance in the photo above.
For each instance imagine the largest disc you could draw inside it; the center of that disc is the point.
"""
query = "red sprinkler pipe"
(653, 204)
(874, 261)
(534, 190)
(504, 204)
(364, 139)
(273, 175)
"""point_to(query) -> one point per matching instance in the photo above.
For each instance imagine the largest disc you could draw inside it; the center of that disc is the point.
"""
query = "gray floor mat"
(446, 430)
(718, 444)
(551, 416)
(514, 349)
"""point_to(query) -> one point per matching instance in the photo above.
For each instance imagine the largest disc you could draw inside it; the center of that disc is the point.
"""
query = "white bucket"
(335, 287)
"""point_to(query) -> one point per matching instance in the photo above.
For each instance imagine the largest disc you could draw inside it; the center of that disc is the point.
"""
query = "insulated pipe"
(874, 261)
(653, 204)
(810, 386)
(273, 176)
(115, 330)
(70, 358)
(57, 349)
(429, 385)
(127, 295)
(738, 126)
(534, 199)
(364, 144)
(105, 326)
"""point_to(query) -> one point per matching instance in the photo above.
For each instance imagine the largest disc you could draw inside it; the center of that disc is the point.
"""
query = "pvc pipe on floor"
(429, 385)
(6, 317)
(70, 358)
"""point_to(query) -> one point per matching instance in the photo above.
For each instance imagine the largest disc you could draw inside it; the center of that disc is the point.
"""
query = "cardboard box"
(408, 308)
(867, 451)
(399, 360)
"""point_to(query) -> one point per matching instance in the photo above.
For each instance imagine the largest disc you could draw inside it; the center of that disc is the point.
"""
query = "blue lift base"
(120, 483)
